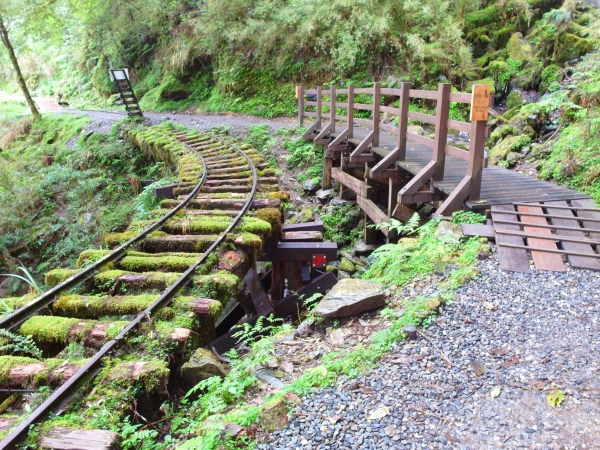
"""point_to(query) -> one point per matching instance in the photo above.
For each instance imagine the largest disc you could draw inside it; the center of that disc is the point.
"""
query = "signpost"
(480, 102)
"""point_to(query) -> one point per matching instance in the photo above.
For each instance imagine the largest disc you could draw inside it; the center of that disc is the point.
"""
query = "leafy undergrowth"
(61, 188)
(220, 402)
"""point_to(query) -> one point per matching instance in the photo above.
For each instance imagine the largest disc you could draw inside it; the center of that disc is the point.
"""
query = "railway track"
(116, 333)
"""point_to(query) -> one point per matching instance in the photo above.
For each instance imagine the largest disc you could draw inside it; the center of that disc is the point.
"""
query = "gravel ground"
(529, 333)
(102, 121)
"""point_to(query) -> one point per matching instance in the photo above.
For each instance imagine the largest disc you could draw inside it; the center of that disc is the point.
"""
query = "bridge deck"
(499, 185)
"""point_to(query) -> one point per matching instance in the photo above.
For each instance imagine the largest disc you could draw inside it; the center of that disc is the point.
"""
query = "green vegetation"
(341, 225)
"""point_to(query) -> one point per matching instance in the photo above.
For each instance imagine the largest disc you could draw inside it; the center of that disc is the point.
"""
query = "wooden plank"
(327, 165)
(476, 154)
(365, 122)
(303, 251)
(386, 162)
(418, 181)
(60, 438)
(565, 217)
(277, 281)
(293, 274)
(362, 106)
(364, 144)
(421, 117)
(543, 260)
(566, 206)
(457, 152)
(302, 236)
(592, 221)
(350, 123)
(362, 189)
(465, 127)
(390, 109)
(511, 259)
(257, 293)
(388, 128)
(332, 111)
(364, 91)
(308, 226)
(389, 91)
(460, 97)
(428, 95)
(419, 139)
(471, 229)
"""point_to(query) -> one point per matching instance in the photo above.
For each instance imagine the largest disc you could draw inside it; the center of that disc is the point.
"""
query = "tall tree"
(13, 59)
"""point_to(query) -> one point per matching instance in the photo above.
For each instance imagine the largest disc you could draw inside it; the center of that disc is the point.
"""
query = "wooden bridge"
(391, 169)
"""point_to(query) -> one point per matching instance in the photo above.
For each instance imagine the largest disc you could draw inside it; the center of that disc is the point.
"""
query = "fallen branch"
(219, 357)
(444, 357)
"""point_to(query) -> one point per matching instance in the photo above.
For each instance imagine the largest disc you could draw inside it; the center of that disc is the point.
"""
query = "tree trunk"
(11, 54)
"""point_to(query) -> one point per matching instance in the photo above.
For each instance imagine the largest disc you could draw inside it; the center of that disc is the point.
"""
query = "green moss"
(150, 376)
(106, 280)
(280, 195)
(270, 215)
(551, 74)
(482, 17)
(347, 266)
(305, 215)
(57, 276)
(245, 239)
(514, 99)
(48, 329)
(8, 362)
(487, 81)
(218, 286)
(158, 263)
(519, 49)
(94, 306)
(511, 144)
(18, 302)
(89, 257)
(116, 239)
(502, 132)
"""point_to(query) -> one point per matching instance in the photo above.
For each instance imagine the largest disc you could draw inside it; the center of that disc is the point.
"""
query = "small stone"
(273, 416)
(304, 330)
(325, 194)
(363, 249)
(311, 185)
(202, 365)
(449, 232)
(390, 431)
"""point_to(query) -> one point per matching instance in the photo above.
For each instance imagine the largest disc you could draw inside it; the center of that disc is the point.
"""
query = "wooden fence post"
(319, 98)
(403, 120)
(441, 130)
(476, 148)
(332, 98)
(350, 110)
(300, 93)
(376, 109)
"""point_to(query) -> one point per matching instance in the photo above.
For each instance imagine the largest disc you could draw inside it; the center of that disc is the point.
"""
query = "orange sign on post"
(480, 102)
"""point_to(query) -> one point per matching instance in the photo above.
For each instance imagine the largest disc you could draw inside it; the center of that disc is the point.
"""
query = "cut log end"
(60, 438)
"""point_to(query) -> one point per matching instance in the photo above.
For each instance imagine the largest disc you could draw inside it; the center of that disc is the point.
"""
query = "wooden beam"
(476, 151)
(376, 112)
(277, 281)
(364, 144)
(257, 292)
(307, 226)
(327, 165)
(325, 131)
(385, 162)
(303, 251)
(300, 93)
(377, 216)
(362, 189)
(350, 114)
(403, 119)
(441, 130)
(310, 133)
(332, 107)
(455, 199)
(419, 180)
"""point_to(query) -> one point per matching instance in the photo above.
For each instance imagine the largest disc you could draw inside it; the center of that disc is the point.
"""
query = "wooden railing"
(478, 131)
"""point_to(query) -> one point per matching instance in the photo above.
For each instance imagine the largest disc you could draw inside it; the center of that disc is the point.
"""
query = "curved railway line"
(137, 312)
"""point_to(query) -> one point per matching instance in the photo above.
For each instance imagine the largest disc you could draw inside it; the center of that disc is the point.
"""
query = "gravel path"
(542, 334)
(102, 121)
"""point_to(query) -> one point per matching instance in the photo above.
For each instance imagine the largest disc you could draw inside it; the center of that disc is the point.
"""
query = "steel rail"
(20, 315)
(22, 429)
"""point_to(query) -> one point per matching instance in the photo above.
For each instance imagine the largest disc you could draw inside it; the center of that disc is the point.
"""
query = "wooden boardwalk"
(392, 171)
(498, 186)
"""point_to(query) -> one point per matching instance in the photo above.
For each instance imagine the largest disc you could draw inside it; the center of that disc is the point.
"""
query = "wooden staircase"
(129, 99)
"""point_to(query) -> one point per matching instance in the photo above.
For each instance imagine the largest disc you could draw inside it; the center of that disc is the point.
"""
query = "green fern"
(17, 344)
(400, 228)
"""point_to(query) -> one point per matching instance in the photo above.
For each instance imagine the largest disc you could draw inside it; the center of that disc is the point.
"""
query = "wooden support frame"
(310, 133)
(416, 183)
(362, 189)
(474, 170)
(364, 145)
(454, 200)
(300, 95)
(386, 162)
(350, 114)
(332, 97)
(337, 142)
(376, 112)
(325, 131)
(377, 216)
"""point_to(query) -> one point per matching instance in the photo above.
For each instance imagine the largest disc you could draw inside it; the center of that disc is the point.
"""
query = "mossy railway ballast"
(137, 311)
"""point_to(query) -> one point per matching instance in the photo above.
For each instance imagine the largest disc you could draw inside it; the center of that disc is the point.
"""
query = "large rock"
(519, 49)
(351, 297)
(364, 249)
(305, 215)
(201, 366)
(274, 415)
(448, 232)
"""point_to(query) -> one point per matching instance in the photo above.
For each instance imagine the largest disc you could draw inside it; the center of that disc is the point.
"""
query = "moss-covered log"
(94, 306)
(180, 243)
(223, 203)
(235, 262)
(19, 372)
(124, 282)
(50, 332)
(151, 263)
(216, 224)
(57, 276)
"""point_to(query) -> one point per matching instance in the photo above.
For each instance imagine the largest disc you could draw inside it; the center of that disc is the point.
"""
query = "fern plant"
(17, 344)
(400, 228)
